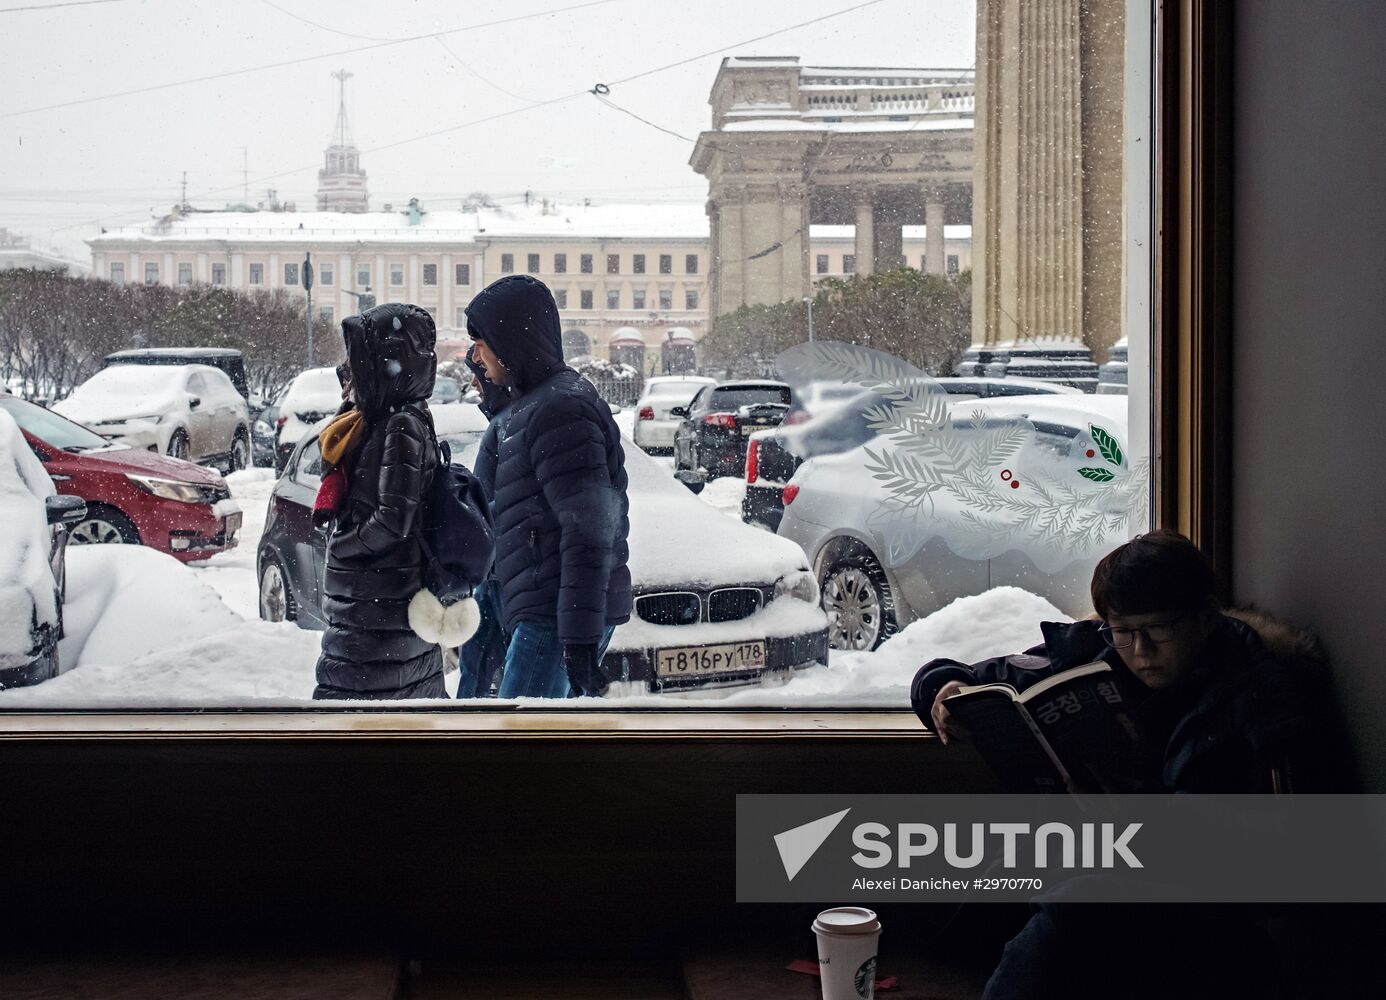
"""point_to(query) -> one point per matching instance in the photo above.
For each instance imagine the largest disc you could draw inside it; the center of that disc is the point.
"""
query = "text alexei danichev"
(911, 884)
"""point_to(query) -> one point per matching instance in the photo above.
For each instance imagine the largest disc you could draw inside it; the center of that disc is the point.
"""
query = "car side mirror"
(678, 411)
(65, 509)
(194, 402)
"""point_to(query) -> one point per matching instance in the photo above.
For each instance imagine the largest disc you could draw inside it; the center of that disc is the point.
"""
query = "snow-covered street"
(145, 631)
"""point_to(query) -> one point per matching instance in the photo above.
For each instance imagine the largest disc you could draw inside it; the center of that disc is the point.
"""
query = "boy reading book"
(1203, 706)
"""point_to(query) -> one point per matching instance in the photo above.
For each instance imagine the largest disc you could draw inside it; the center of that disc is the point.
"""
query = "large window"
(965, 437)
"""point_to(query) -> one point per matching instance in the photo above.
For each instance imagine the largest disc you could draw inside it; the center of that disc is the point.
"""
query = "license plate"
(697, 661)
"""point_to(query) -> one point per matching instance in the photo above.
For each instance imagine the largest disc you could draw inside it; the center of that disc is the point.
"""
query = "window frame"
(1190, 377)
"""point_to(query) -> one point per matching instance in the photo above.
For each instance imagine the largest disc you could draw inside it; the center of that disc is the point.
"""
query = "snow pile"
(28, 593)
(1002, 620)
(124, 601)
(144, 631)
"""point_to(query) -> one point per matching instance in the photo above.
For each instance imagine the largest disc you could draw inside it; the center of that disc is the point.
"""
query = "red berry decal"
(1005, 475)
(1015, 484)
(1091, 453)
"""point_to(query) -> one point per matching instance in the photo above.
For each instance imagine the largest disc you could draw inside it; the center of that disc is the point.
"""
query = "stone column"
(887, 237)
(866, 238)
(1038, 126)
(933, 236)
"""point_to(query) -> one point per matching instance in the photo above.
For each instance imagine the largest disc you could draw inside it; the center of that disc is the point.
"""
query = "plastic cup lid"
(847, 920)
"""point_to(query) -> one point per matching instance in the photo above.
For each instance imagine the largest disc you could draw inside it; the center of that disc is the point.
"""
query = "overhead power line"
(599, 90)
(295, 62)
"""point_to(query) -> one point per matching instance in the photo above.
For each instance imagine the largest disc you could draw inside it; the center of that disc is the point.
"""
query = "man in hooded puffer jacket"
(560, 504)
(374, 561)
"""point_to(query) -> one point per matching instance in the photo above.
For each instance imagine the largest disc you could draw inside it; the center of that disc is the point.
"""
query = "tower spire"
(341, 181)
(341, 135)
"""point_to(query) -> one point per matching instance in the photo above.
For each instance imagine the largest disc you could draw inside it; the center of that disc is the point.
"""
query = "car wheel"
(276, 597)
(858, 602)
(240, 451)
(178, 446)
(104, 526)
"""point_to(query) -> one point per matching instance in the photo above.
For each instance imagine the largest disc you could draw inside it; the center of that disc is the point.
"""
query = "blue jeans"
(534, 661)
(483, 654)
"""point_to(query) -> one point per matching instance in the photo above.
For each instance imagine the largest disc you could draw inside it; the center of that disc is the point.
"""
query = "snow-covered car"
(654, 427)
(33, 578)
(229, 360)
(312, 395)
(879, 572)
(717, 603)
(192, 412)
(133, 496)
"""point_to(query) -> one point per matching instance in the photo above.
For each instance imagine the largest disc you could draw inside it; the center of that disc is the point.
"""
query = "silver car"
(877, 573)
(191, 412)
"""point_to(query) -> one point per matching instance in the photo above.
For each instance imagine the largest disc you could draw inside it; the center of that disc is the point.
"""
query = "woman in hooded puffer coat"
(375, 564)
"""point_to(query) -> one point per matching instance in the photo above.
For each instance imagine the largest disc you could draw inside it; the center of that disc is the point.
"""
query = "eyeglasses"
(1152, 632)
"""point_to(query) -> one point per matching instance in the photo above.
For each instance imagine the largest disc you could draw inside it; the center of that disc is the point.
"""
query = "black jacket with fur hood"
(374, 562)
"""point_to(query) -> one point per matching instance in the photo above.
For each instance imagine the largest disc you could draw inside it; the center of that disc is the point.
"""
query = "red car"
(133, 496)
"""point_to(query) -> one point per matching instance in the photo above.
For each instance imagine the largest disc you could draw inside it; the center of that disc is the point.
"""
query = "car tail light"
(282, 421)
(797, 417)
(720, 420)
(647, 413)
(790, 492)
(752, 460)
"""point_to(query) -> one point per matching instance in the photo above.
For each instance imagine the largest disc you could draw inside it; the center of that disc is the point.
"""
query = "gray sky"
(121, 160)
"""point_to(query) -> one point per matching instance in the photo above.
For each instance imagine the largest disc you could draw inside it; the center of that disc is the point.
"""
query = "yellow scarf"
(341, 437)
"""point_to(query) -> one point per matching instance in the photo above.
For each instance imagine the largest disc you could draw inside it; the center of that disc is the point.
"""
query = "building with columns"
(795, 147)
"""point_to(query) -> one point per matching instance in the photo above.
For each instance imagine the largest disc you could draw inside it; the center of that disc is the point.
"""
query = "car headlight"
(801, 586)
(169, 489)
(263, 429)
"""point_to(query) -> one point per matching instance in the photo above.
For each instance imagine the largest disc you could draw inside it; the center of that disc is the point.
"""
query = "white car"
(312, 395)
(654, 428)
(191, 412)
(1056, 497)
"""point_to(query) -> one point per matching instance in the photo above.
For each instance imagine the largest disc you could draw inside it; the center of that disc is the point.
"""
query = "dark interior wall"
(1309, 336)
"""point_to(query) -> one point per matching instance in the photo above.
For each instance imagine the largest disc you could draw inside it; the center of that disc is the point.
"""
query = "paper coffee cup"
(847, 939)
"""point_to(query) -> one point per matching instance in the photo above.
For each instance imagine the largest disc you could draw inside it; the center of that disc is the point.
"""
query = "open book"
(1069, 732)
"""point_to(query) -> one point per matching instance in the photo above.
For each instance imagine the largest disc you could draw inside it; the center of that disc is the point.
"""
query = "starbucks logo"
(865, 979)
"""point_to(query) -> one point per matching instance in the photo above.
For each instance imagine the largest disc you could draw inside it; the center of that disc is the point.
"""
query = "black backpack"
(456, 534)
